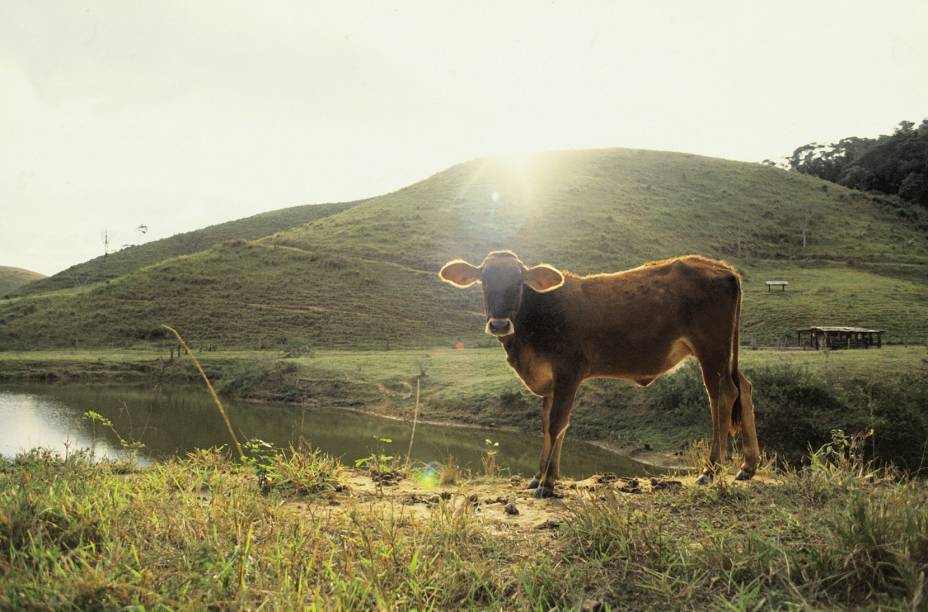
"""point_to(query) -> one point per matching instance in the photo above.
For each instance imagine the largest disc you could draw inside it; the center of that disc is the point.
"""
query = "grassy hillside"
(599, 210)
(364, 277)
(13, 278)
(136, 257)
(249, 294)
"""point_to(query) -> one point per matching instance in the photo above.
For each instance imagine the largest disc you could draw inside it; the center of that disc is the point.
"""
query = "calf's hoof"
(542, 492)
(533, 484)
(744, 474)
(705, 478)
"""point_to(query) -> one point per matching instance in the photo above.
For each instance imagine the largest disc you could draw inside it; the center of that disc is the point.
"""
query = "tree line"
(894, 164)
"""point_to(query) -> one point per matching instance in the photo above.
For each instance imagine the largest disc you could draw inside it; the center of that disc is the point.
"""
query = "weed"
(450, 472)
(131, 448)
(384, 469)
(490, 467)
(303, 473)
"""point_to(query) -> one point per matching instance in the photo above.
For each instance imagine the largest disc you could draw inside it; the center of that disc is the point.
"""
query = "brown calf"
(635, 325)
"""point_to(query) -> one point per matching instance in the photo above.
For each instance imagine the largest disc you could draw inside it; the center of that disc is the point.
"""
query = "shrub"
(797, 410)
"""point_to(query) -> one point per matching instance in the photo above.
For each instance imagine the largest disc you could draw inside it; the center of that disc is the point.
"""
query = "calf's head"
(504, 278)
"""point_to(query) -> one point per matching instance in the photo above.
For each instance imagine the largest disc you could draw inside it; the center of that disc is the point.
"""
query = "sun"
(507, 182)
(520, 173)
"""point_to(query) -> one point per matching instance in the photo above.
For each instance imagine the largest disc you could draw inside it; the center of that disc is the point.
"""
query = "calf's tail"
(735, 425)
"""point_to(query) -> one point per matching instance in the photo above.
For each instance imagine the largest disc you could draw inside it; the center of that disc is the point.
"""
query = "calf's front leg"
(565, 389)
(545, 413)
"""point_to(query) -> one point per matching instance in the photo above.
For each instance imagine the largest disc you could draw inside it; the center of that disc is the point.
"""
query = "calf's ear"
(459, 273)
(543, 278)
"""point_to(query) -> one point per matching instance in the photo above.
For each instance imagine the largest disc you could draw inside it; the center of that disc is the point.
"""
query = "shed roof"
(838, 328)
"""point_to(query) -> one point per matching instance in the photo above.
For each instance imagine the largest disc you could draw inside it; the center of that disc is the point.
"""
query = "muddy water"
(177, 421)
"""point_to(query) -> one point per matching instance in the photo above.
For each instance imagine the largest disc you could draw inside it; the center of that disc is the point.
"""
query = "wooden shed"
(834, 337)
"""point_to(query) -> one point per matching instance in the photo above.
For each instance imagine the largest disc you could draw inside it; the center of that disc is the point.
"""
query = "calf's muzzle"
(500, 327)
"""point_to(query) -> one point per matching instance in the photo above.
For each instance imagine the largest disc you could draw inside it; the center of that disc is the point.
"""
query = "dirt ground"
(502, 505)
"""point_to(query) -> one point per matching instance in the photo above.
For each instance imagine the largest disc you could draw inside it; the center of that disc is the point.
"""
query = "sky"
(177, 115)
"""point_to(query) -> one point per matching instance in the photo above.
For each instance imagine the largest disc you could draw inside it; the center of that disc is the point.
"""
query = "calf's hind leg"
(722, 394)
(750, 446)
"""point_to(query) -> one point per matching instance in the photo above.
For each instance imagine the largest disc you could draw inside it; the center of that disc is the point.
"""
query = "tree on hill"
(893, 164)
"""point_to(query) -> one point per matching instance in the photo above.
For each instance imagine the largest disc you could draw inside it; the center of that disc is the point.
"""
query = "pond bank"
(800, 396)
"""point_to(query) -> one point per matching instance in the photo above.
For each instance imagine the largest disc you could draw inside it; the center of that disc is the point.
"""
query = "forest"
(895, 164)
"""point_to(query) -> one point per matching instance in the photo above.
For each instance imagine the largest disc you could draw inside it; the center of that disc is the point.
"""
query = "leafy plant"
(296, 471)
(131, 448)
(383, 468)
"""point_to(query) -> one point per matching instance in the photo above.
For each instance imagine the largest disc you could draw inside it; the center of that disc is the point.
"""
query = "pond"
(176, 421)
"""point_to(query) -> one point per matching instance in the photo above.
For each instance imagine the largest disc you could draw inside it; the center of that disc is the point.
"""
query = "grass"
(823, 291)
(13, 278)
(363, 277)
(203, 531)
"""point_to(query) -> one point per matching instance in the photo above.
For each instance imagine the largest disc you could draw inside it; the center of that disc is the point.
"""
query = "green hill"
(601, 210)
(133, 258)
(364, 276)
(14, 278)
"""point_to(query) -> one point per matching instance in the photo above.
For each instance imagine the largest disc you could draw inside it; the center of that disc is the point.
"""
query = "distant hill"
(364, 276)
(135, 257)
(13, 278)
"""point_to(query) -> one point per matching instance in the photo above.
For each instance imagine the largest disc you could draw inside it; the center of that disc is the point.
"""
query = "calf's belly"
(641, 363)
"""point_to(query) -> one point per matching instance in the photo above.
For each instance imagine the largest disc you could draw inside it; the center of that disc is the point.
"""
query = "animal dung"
(665, 485)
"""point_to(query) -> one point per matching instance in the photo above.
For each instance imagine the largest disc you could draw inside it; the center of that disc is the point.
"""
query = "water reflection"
(179, 420)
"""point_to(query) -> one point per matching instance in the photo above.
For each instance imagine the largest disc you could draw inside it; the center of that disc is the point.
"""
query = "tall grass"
(415, 421)
(209, 386)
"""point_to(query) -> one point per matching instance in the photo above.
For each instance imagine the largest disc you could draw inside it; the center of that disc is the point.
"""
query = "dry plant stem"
(209, 385)
(415, 419)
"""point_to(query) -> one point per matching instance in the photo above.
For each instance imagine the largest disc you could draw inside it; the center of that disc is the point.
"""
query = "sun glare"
(521, 176)
(507, 181)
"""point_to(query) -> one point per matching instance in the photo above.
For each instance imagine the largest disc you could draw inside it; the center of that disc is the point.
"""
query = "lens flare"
(428, 477)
